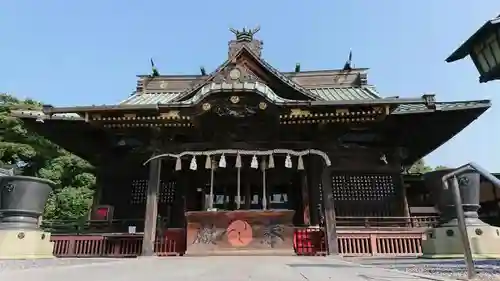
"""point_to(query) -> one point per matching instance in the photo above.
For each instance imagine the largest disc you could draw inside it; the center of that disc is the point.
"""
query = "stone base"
(445, 242)
(25, 244)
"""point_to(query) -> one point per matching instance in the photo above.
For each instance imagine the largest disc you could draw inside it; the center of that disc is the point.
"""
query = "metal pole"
(469, 261)
(211, 196)
(238, 189)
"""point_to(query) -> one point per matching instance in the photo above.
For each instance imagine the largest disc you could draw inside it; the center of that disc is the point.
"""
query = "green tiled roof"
(327, 94)
(441, 106)
(152, 97)
(345, 93)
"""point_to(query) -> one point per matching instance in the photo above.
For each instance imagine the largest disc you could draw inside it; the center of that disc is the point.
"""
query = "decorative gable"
(236, 73)
(246, 65)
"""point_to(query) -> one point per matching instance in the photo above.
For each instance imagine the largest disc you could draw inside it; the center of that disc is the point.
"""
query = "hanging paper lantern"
(193, 166)
(255, 163)
(238, 161)
(270, 163)
(300, 164)
(208, 163)
(288, 161)
(178, 164)
(222, 161)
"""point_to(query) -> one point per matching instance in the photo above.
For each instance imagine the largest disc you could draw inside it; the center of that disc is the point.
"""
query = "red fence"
(117, 245)
(307, 241)
(311, 241)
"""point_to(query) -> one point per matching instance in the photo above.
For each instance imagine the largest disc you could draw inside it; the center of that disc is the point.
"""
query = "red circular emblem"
(239, 233)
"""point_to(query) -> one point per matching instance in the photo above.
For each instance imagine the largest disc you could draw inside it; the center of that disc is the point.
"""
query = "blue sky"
(88, 52)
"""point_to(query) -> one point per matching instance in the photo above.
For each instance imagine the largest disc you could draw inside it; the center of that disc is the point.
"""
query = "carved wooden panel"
(365, 195)
(140, 187)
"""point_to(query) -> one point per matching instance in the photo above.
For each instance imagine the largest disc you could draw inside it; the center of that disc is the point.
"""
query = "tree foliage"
(37, 156)
(420, 167)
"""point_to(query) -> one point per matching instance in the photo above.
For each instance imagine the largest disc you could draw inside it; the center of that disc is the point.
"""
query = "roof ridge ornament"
(348, 63)
(245, 35)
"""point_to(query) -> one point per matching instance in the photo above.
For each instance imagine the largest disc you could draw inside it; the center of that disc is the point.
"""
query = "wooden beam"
(329, 210)
(151, 214)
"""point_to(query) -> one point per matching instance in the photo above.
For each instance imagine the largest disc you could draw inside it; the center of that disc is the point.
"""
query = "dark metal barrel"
(469, 186)
(22, 201)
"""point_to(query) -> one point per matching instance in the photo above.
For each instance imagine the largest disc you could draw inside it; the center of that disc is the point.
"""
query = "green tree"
(37, 156)
(440, 167)
(420, 167)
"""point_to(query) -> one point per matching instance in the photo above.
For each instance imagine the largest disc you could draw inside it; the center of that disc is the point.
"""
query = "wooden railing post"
(373, 244)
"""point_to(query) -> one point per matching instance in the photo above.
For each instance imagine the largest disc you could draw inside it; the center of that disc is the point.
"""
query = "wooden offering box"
(252, 232)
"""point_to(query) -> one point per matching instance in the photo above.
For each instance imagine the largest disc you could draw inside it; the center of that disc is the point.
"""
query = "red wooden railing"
(117, 245)
(357, 236)
(307, 241)
(311, 241)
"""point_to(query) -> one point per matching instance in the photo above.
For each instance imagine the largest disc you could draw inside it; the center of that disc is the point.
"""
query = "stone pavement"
(210, 269)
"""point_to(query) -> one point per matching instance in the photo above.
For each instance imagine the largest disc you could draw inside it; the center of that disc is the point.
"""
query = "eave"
(68, 131)
(421, 131)
(426, 100)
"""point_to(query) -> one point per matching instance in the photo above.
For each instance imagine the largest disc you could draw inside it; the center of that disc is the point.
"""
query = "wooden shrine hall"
(239, 156)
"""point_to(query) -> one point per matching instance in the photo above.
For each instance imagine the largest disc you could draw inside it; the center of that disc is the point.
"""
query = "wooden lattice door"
(366, 195)
(166, 197)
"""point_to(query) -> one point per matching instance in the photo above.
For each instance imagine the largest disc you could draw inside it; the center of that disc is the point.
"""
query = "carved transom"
(238, 73)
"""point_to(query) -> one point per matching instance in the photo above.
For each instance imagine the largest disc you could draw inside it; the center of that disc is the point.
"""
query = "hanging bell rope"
(300, 164)
(208, 163)
(178, 164)
(237, 152)
(270, 163)
(238, 161)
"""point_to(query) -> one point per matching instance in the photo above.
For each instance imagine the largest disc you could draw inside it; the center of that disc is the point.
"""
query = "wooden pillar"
(404, 199)
(151, 214)
(313, 177)
(305, 198)
(248, 196)
(406, 207)
(329, 210)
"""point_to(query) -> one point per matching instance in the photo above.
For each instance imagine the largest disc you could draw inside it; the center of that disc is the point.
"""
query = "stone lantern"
(22, 201)
(444, 241)
(484, 49)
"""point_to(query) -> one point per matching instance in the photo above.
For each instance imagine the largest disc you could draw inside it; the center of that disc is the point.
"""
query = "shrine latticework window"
(140, 187)
(365, 195)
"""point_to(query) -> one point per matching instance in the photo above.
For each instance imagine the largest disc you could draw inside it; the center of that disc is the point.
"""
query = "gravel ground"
(453, 269)
(6, 265)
